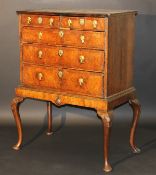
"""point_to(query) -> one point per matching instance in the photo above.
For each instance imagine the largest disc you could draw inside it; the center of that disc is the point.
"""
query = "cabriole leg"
(107, 121)
(134, 103)
(15, 109)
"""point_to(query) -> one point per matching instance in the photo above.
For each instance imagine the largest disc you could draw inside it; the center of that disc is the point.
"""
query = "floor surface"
(76, 150)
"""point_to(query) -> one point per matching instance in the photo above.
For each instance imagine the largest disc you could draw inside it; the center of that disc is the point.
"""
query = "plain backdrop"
(145, 53)
(77, 149)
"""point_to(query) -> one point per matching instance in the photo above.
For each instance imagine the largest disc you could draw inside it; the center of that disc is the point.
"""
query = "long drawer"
(76, 82)
(91, 60)
(82, 39)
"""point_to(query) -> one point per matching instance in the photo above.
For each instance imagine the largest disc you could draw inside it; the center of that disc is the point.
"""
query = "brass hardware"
(81, 81)
(60, 52)
(60, 74)
(40, 20)
(61, 33)
(82, 21)
(51, 21)
(40, 34)
(58, 101)
(29, 20)
(82, 38)
(40, 53)
(95, 23)
(82, 59)
(69, 22)
(40, 76)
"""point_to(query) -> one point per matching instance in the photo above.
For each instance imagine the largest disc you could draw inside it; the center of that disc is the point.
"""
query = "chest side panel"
(120, 53)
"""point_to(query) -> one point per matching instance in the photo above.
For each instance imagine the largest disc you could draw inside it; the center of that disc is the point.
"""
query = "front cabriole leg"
(106, 117)
(15, 110)
(134, 103)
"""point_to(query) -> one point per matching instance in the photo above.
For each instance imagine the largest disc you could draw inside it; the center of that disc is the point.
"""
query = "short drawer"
(82, 83)
(40, 54)
(83, 23)
(65, 80)
(39, 76)
(85, 59)
(40, 21)
(83, 39)
(40, 35)
(90, 60)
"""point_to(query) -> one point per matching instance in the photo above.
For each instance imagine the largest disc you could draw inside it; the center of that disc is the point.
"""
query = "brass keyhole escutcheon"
(60, 52)
(39, 76)
(29, 20)
(61, 34)
(58, 101)
(82, 59)
(82, 21)
(60, 74)
(40, 20)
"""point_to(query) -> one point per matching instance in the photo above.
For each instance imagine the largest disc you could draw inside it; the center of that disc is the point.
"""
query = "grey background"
(68, 152)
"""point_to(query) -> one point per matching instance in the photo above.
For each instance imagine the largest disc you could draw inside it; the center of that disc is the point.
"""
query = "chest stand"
(105, 115)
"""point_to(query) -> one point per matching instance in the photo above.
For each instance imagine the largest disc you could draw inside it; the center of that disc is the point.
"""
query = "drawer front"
(37, 54)
(83, 23)
(40, 35)
(82, 83)
(40, 21)
(76, 82)
(39, 76)
(83, 39)
(91, 60)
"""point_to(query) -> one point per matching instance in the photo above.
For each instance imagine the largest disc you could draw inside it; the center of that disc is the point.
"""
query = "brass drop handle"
(40, 34)
(81, 81)
(51, 21)
(29, 20)
(69, 22)
(82, 38)
(95, 24)
(40, 20)
(81, 59)
(60, 52)
(82, 21)
(60, 74)
(39, 76)
(40, 53)
(61, 34)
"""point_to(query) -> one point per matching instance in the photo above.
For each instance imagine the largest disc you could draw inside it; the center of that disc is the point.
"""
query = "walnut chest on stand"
(81, 58)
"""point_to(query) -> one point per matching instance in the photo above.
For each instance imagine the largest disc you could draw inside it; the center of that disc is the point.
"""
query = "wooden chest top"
(78, 12)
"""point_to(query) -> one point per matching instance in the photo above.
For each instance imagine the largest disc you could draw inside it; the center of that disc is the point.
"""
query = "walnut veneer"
(82, 58)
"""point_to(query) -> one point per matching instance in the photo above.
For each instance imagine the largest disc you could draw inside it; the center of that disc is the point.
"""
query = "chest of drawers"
(81, 58)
